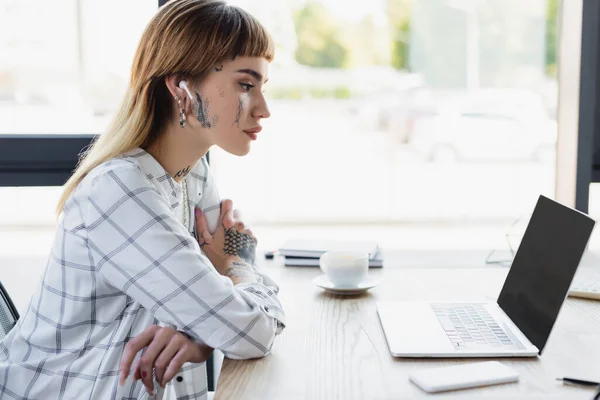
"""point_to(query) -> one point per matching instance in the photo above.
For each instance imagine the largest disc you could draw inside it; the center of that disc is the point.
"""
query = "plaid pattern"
(122, 261)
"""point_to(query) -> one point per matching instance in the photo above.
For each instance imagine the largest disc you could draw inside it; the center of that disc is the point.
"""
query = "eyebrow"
(253, 73)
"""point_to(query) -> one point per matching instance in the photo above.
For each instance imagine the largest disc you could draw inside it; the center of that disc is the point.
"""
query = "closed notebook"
(314, 248)
(376, 262)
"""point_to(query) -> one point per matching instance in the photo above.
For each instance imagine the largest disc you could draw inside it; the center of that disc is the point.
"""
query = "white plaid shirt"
(122, 260)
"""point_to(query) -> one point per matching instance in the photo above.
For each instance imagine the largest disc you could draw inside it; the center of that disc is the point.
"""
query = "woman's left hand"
(166, 350)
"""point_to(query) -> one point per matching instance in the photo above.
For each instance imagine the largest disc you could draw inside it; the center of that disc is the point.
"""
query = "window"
(65, 65)
(373, 108)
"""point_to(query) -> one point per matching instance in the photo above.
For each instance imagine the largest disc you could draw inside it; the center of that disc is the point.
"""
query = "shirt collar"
(155, 172)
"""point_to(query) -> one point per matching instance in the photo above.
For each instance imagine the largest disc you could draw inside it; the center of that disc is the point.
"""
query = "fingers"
(226, 206)
(227, 214)
(163, 360)
(204, 235)
(136, 368)
(240, 225)
(132, 348)
(175, 364)
(238, 218)
(161, 339)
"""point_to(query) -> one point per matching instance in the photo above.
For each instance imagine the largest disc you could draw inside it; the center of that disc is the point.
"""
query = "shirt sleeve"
(140, 248)
(210, 204)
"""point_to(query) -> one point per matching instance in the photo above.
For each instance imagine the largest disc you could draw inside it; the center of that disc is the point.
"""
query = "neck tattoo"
(184, 201)
(182, 172)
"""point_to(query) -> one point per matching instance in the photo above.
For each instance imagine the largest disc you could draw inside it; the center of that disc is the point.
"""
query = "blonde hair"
(185, 37)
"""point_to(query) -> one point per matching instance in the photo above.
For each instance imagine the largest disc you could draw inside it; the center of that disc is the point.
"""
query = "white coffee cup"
(345, 268)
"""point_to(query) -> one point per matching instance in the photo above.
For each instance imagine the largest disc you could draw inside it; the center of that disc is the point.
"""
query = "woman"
(125, 259)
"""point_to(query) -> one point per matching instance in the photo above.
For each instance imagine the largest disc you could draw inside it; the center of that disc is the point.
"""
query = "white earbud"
(183, 85)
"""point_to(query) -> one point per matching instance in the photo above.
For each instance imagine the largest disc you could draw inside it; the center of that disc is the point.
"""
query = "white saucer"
(323, 282)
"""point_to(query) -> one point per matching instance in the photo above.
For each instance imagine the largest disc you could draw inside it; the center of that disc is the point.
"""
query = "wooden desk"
(333, 346)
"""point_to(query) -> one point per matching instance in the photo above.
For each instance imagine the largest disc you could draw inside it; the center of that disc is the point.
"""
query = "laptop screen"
(543, 268)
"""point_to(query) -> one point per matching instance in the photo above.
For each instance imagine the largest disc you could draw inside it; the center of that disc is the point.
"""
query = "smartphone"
(463, 376)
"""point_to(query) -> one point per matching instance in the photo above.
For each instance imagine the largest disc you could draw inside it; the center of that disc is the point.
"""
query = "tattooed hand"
(232, 249)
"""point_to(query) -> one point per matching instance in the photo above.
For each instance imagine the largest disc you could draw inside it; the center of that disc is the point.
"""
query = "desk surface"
(333, 346)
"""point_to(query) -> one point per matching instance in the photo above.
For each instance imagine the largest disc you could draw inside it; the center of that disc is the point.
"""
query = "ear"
(172, 83)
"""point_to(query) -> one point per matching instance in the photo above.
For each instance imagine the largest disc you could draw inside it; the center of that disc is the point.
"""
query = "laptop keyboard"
(469, 325)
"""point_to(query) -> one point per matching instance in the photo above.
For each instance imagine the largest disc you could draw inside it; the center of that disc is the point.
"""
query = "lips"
(253, 130)
(253, 133)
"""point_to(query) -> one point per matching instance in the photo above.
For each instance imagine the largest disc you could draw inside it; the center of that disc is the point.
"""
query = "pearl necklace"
(185, 204)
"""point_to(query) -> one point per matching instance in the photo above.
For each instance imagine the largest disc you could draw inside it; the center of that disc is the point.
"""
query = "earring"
(182, 117)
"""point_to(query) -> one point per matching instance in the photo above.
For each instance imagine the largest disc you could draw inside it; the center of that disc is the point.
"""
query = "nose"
(262, 109)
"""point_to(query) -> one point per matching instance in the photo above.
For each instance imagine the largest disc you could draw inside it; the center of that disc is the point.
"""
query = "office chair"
(8, 313)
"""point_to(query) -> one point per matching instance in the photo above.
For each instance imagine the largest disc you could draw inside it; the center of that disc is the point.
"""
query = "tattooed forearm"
(239, 113)
(239, 270)
(182, 172)
(240, 244)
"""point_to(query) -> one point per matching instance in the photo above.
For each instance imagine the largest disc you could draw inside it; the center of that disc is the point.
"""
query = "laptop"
(521, 320)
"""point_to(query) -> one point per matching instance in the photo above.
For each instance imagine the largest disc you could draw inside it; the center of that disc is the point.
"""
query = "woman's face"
(228, 104)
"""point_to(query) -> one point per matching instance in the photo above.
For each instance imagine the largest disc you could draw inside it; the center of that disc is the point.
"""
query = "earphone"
(183, 85)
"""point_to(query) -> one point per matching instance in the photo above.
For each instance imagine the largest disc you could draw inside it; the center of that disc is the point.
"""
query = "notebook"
(376, 262)
(314, 248)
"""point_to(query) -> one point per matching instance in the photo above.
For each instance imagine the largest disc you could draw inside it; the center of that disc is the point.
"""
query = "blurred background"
(416, 123)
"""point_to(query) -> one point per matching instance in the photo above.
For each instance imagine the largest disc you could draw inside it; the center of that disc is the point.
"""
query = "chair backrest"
(8, 313)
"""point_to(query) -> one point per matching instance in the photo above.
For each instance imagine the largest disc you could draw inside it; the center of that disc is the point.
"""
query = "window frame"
(587, 170)
(39, 159)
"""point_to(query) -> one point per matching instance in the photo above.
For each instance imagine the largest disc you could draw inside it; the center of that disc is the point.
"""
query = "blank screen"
(543, 268)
